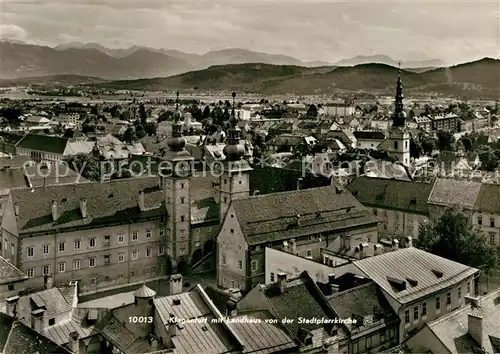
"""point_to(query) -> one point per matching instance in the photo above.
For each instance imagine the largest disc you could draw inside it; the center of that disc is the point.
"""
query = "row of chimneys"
(55, 209)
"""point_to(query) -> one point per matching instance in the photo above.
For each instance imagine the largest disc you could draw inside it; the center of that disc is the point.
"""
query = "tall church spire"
(399, 115)
(233, 150)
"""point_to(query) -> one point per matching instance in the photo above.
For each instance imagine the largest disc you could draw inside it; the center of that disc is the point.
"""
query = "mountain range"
(21, 60)
(479, 79)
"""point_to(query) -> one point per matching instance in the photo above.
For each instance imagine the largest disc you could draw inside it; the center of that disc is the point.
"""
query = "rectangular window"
(479, 220)
(31, 251)
(107, 259)
(134, 236)
(272, 277)
(415, 313)
(135, 255)
(76, 264)
(438, 303)
(182, 218)
(492, 238)
(61, 267)
(30, 272)
(92, 262)
(254, 266)
(46, 249)
(92, 242)
(223, 258)
(424, 309)
(162, 232)
(448, 299)
(492, 222)
(77, 244)
(121, 238)
(240, 265)
(407, 316)
(308, 253)
(93, 281)
(149, 252)
(459, 293)
(148, 233)
(468, 288)
(107, 240)
(46, 269)
(161, 250)
(121, 257)
(62, 246)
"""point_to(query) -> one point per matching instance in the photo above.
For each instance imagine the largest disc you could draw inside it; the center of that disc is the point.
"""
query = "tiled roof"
(365, 301)
(205, 210)
(50, 175)
(106, 202)
(43, 143)
(369, 135)
(60, 333)
(113, 330)
(53, 299)
(488, 199)
(385, 169)
(261, 337)
(12, 178)
(273, 217)
(391, 194)
(16, 338)
(191, 305)
(144, 292)
(423, 268)
(452, 329)
(449, 192)
(9, 273)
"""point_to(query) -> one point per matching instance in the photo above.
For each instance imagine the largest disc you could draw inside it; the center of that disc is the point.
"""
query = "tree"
(445, 140)
(140, 132)
(428, 144)
(150, 128)
(206, 112)
(489, 160)
(143, 116)
(129, 135)
(312, 112)
(415, 148)
(467, 143)
(452, 236)
(85, 164)
(94, 110)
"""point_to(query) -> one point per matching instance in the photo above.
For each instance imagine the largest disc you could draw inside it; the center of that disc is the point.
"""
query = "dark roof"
(107, 202)
(449, 192)
(369, 135)
(12, 178)
(391, 194)
(365, 301)
(50, 144)
(301, 298)
(273, 217)
(488, 199)
(8, 138)
(16, 338)
(9, 273)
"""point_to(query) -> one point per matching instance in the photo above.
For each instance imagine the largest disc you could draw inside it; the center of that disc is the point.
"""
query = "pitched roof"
(8, 138)
(426, 273)
(16, 338)
(391, 194)
(365, 301)
(452, 328)
(369, 135)
(448, 192)
(53, 299)
(12, 178)
(48, 175)
(45, 143)
(9, 273)
(15, 161)
(106, 202)
(144, 292)
(488, 199)
(273, 217)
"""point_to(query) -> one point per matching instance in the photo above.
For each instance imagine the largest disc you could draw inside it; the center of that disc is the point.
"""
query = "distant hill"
(56, 80)
(384, 59)
(481, 77)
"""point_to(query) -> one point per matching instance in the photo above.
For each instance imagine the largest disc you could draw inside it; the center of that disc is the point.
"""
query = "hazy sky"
(454, 31)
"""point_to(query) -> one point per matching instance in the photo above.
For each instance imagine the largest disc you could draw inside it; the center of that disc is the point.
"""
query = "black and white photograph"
(249, 177)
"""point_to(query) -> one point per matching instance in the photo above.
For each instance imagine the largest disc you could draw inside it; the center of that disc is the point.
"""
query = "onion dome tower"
(399, 115)
(176, 143)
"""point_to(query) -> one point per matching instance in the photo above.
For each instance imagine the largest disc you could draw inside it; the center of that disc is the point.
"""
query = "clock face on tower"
(182, 169)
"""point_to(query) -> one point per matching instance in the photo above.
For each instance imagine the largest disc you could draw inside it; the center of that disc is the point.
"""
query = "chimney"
(475, 326)
(347, 241)
(294, 246)
(474, 301)
(47, 281)
(172, 326)
(141, 201)
(335, 288)
(338, 190)
(153, 342)
(331, 346)
(298, 219)
(331, 278)
(175, 284)
(11, 305)
(378, 249)
(363, 247)
(74, 342)
(83, 207)
(37, 320)
(16, 208)
(281, 282)
(299, 183)
(408, 241)
(55, 212)
(161, 181)
(395, 244)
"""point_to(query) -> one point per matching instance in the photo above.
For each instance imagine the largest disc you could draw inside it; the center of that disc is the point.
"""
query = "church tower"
(398, 142)
(176, 184)
(234, 181)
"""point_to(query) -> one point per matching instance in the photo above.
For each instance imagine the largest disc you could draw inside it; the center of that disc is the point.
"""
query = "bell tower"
(234, 181)
(398, 142)
(176, 175)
